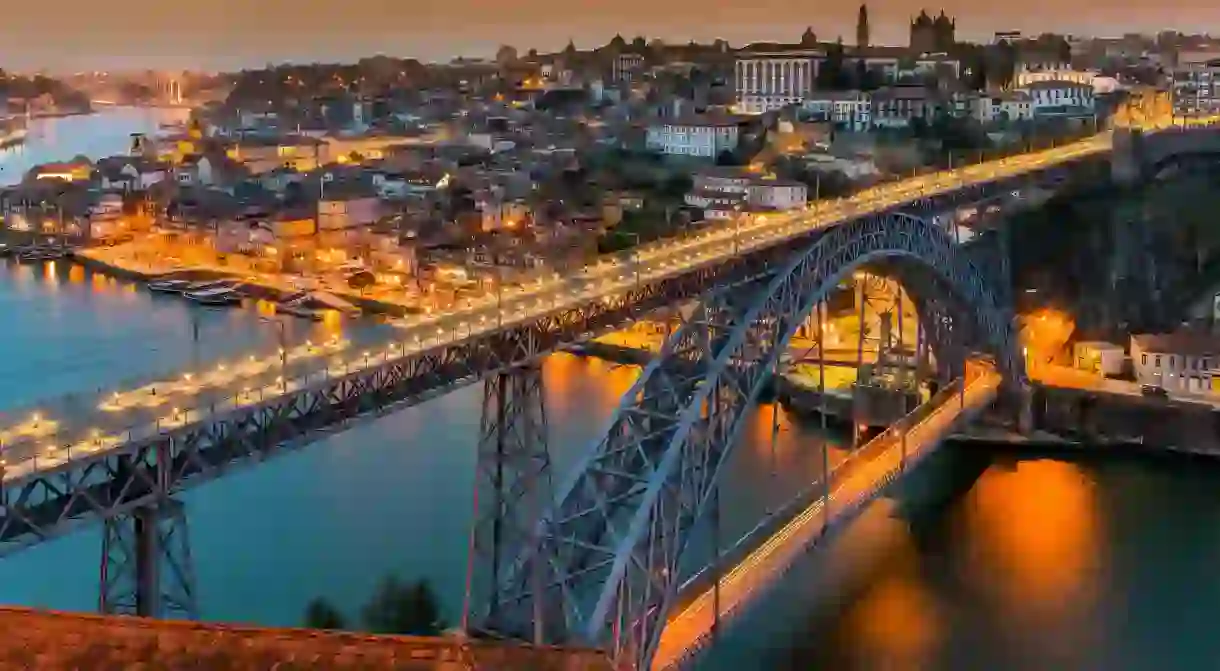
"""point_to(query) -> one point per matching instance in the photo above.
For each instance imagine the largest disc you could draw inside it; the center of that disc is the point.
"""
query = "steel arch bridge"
(602, 566)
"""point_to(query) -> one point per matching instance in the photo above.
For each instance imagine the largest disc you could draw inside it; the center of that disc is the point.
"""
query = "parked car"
(1154, 390)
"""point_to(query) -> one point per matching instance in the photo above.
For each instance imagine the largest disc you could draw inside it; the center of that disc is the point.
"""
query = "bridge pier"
(146, 566)
(513, 483)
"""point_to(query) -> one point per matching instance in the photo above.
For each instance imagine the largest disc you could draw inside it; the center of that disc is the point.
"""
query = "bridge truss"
(610, 549)
(132, 487)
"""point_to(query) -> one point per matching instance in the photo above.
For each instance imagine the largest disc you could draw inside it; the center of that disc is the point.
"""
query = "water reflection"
(1036, 535)
(1011, 572)
(896, 623)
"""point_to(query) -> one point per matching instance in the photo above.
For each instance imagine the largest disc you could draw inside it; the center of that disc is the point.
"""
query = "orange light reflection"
(1036, 532)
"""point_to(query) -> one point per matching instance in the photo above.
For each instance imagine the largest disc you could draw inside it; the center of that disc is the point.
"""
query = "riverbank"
(265, 287)
(62, 114)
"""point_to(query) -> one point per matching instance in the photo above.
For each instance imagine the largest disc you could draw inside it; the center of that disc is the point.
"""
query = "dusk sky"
(87, 34)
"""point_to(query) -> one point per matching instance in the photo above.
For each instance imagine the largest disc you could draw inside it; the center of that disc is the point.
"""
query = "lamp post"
(635, 253)
(283, 340)
(736, 228)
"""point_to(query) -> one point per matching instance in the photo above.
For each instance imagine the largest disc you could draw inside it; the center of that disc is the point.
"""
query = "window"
(1171, 362)
(1206, 363)
(1144, 359)
(1157, 361)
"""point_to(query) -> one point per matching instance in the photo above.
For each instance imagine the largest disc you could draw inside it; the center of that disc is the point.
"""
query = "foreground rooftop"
(54, 641)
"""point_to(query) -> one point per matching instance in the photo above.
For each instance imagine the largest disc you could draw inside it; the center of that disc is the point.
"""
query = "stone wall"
(49, 641)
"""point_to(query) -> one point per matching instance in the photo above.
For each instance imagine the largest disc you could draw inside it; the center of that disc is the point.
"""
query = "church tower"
(862, 27)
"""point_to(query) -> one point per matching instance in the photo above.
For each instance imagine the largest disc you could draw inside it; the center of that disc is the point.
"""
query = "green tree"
(321, 614)
(403, 608)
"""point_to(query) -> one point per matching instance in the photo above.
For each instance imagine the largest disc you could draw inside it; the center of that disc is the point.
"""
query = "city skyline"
(227, 35)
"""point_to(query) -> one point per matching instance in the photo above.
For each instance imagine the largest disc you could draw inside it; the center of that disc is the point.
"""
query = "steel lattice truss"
(55, 500)
(611, 547)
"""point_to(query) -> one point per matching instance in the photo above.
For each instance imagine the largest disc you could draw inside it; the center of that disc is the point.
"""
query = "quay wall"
(1154, 423)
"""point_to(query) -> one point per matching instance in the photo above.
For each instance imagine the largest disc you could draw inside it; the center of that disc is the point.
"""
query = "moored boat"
(37, 254)
(225, 294)
(298, 310)
(169, 286)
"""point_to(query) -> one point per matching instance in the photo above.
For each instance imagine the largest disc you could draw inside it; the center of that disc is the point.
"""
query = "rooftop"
(1189, 343)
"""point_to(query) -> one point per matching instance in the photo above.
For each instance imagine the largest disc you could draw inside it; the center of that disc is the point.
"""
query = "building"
(892, 65)
(896, 106)
(263, 153)
(1196, 88)
(1102, 358)
(626, 67)
(348, 206)
(1061, 98)
(1009, 36)
(64, 172)
(848, 110)
(1185, 361)
(130, 173)
(723, 193)
(1003, 106)
(930, 35)
(1025, 77)
(767, 81)
(699, 136)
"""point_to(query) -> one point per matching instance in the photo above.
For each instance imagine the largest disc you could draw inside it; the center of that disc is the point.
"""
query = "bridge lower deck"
(853, 484)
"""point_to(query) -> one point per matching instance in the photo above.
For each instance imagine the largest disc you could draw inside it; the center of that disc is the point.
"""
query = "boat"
(169, 286)
(206, 285)
(298, 305)
(38, 254)
(298, 310)
(220, 295)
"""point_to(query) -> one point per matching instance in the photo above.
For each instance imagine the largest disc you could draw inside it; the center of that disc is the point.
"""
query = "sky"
(71, 35)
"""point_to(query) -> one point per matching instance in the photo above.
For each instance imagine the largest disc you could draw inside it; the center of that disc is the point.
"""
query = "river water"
(1002, 562)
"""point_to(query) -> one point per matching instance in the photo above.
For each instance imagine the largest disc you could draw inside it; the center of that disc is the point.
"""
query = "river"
(1011, 562)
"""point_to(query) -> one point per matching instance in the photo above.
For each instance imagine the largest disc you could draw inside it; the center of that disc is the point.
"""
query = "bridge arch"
(610, 548)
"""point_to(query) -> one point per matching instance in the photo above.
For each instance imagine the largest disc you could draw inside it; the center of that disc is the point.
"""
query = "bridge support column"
(512, 487)
(1025, 410)
(146, 567)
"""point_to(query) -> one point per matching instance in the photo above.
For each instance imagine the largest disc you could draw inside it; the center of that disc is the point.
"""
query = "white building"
(770, 81)
(1196, 87)
(1055, 97)
(1003, 106)
(726, 192)
(851, 110)
(704, 137)
(1102, 358)
(1182, 361)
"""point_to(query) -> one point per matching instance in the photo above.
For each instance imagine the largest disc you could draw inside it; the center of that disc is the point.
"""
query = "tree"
(830, 76)
(321, 614)
(506, 55)
(403, 608)
(726, 157)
